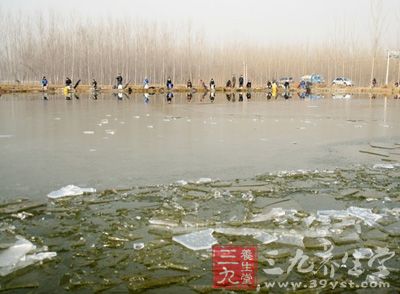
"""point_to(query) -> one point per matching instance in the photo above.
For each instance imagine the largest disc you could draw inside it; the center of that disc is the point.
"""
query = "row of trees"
(59, 46)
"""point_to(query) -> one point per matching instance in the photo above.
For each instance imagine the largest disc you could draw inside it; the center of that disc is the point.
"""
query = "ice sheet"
(70, 190)
(197, 240)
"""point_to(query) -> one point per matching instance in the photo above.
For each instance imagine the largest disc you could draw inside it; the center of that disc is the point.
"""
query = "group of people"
(374, 83)
(232, 83)
(169, 84)
(273, 86)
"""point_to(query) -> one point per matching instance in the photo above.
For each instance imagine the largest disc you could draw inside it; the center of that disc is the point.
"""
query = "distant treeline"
(58, 46)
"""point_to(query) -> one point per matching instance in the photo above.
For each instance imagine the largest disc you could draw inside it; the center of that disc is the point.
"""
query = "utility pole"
(387, 68)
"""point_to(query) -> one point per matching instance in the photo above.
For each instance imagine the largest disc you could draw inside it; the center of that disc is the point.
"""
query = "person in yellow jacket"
(274, 89)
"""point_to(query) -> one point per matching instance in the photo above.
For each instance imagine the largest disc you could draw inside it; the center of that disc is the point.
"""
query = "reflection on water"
(96, 141)
(341, 96)
(306, 95)
(169, 97)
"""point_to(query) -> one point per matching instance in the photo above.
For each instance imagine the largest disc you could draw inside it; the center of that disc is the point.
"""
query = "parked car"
(313, 78)
(341, 81)
(285, 79)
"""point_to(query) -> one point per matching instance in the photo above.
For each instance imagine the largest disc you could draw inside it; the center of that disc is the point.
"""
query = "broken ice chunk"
(383, 166)
(363, 253)
(163, 222)
(197, 240)
(181, 183)
(70, 190)
(309, 220)
(346, 238)
(11, 255)
(393, 229)
(22, 215)
(271, 214)
(239, 231)
(265, 238)
(291, 238)
(364, 214)
(138, 246)
(16, 256)
(203, 181)
(335, 214)
(110, 132)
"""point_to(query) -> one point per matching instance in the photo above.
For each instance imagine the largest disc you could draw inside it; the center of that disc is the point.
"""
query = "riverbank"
(35, 88)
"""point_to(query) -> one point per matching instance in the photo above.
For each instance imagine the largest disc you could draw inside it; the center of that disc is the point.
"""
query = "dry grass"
(34, 88)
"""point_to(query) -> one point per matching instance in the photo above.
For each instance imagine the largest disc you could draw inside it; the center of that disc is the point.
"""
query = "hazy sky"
(264, 21)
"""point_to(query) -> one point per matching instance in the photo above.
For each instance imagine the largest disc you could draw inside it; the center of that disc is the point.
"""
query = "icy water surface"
(314, 179)
(112, 143)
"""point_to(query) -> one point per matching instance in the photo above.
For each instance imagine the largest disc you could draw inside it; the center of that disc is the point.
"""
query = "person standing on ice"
(170, 85)
(233, 81)
(68, 82)
(44, 83)
(189, 84)
(241, 81)
(274, 89)
(212, 84)
(146, 83)
(374, 83)
(248, 85)
(119, 81)
(94, 84)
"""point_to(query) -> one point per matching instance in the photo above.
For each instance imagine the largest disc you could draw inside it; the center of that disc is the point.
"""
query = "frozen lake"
(114, 143)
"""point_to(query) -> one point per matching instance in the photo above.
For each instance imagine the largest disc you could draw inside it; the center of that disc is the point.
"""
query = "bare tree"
(376, 7)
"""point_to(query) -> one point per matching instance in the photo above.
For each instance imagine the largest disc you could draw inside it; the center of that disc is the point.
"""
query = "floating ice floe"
(203, 181)
(181, 182)
(163, 222)
(363, 253)
(70, 190)
(88, 132)
(199, 240)
(6, 136)
(265, 238)
(138, 246)
(22, 215)
(239, 231)
(291, 238)
(19, 255)
(364, 214)
(384, 166)
(271, 213)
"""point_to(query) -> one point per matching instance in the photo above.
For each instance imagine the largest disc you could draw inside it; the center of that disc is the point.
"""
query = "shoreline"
(160, 89)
